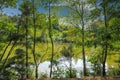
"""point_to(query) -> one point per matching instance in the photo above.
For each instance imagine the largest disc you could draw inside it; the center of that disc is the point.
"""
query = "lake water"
(44, 67)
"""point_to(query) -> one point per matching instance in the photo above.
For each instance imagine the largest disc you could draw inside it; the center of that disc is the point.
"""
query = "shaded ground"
(86, 78)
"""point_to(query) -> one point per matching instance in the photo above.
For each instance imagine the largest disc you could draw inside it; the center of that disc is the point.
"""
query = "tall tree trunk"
(70, 67)
(83, 43)
(10, 51)
(106, 44)
(36, 66)
(52, 43)
(36, 71)
(104, 61)
(26, 27)
(51, 56)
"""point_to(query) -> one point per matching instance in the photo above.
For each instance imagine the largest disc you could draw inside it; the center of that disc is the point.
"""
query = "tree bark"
(34, 22)
(52, 43)
(26, 27)
(83, 42)
(51, 57)
(106, 43)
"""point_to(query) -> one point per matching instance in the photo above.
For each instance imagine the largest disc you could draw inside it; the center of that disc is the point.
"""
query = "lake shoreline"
(84, 78)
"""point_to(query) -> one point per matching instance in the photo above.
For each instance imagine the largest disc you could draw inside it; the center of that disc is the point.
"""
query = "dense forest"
(59, 31)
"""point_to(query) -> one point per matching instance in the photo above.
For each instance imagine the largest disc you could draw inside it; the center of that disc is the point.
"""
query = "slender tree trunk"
(36, 71)
(8, 54)
(106, 44)
(83, 43)
(70, 67)
(36, 66)
(51, 57)
(26, 26)
(52, 43)
(104, 61)
(5, 50)
(10, 51)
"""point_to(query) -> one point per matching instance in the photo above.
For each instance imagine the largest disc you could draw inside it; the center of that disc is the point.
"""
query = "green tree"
(14, 36)
(26, 9)
(79, 20)
(50, 35)
(6, 35)
(7, 3)
(34, 50)
(104, 10)
(48, 3)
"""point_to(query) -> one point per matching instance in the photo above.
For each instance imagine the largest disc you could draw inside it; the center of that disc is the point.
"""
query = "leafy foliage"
(90, 24)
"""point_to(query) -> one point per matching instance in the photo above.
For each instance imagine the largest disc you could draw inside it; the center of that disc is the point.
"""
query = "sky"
(62, 10)
(14, 11)
(11, 11)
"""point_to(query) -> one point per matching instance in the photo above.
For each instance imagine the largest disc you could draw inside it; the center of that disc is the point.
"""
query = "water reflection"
(78, 65)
